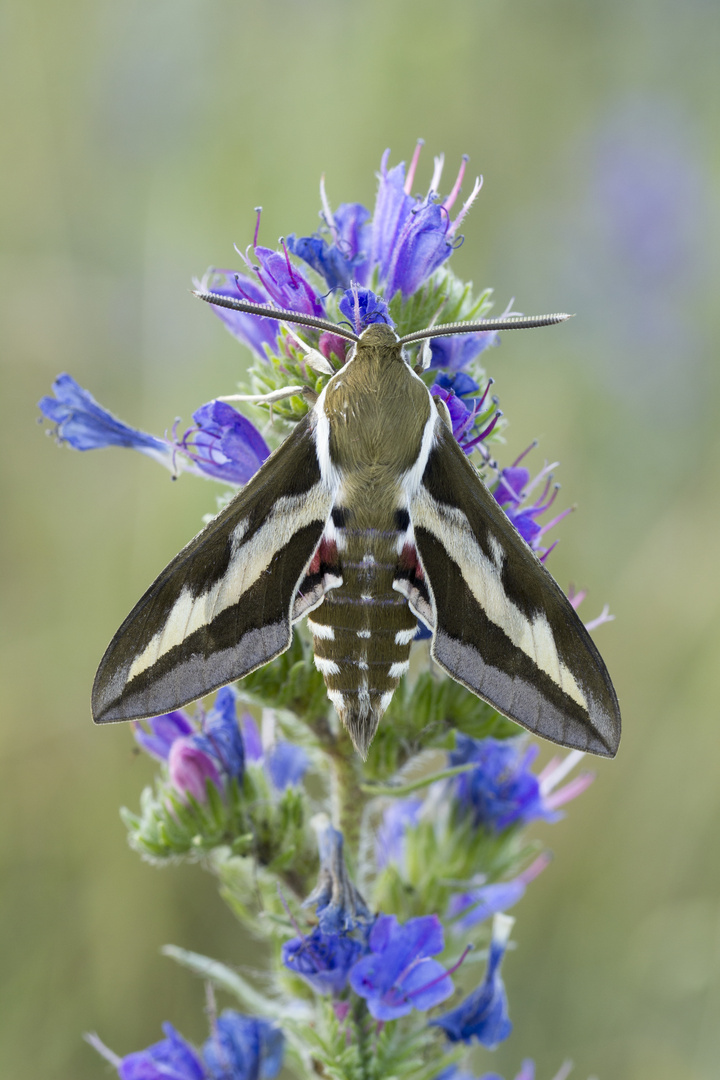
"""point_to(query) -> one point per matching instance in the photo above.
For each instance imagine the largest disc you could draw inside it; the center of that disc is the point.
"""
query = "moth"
(368, 517)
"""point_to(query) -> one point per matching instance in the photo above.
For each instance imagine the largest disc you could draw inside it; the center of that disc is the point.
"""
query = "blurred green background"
(136, 139)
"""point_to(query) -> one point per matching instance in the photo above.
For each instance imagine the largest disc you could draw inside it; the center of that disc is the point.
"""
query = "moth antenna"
(266, 311)
(525, 322)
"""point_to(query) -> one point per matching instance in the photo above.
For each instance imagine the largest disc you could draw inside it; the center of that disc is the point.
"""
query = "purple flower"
(362, 307)
(85, 425)
(400, 815)
(213, 752)
(324, 960)
(466, 414)
(479, 904)
(190, 767)
(398, 974)
(243, 1048)
(164, 730)
(483, 1015)
(170, 1059)
(258, 334)
(223, 443)
(513, 492)
(284, 284)
(412, 237)
(501, 790)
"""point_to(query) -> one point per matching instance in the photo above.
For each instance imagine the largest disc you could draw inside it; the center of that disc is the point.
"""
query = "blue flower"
(286, 764)
(345, 258)
(398, 974)
(221, 735)
(240, 1048)
(501, 791)
(362, 307)
(400, 815)
(85, 425)
(339, 905)
(224, 444)
(483, 1015)
(243, 1048)
(258, 334)
(479, 904)
(324, 960)
(455, 353)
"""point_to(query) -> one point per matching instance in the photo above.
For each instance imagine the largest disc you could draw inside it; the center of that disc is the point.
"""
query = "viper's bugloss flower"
(240, 1048)
(399, 816)
(173, 1058)
(468, 415)
(85, 425)
(483, 1015)
(325, 957)
(455, 353)
(258, 334)
(399, 974)
(213, 751)
(408, 239)
(412, 237)
(362, 307)
(243, 1048)
(476, 905)
(284, 284)
(284, 763)
(501, 790)
(223, 443)
(513, 492)
(189, 767)
(164, 730)
(527, 1072)
(338, 903)
(324, 960)
(346, 257)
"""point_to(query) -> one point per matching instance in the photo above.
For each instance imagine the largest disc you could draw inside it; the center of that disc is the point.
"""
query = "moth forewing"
(223, 606)
(503, 627)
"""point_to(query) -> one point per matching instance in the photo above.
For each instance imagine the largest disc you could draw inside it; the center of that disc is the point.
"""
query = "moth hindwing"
(368, 517)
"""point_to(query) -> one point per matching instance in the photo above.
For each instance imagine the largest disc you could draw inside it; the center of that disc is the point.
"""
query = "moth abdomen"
(363, 629)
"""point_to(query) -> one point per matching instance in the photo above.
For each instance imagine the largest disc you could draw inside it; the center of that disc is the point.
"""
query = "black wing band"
(222, 607)
(503, 626)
